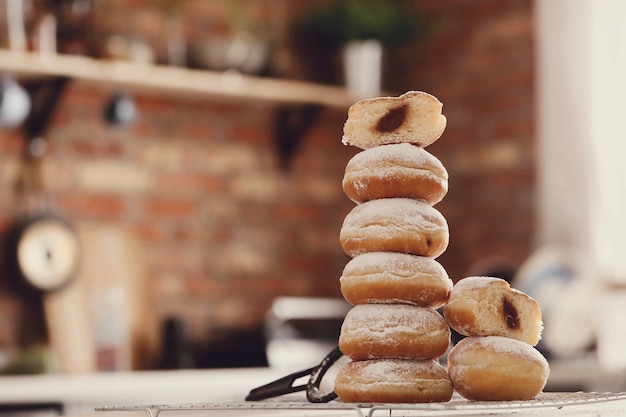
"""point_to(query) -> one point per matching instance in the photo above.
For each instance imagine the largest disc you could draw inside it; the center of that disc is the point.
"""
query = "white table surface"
(82, 393)
(86, 391)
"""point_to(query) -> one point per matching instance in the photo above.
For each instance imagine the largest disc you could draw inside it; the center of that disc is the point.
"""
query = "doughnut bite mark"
(394, 225)
(487, 306)
(414, 117)
(495, 368)
(393, 331)
(393, 381)
(388, 277)
(398, 170)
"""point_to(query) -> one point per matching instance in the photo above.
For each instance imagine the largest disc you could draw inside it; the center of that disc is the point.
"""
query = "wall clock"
(45, 253)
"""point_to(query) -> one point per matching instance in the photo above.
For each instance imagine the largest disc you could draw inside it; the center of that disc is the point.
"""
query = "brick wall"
(479, 60)
(226, 230)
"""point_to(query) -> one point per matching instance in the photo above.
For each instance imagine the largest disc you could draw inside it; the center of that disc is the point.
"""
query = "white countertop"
(86, 391)
(82, 393)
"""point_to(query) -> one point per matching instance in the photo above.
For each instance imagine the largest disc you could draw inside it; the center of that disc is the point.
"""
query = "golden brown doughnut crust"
(393, 381)
(398, 170)
(394, 225)
(388, 277)
(495, 368)
(414, 117)
(487, 306)
(393, 331)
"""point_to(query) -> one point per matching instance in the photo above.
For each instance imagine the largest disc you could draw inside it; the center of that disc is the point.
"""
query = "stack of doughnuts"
(393, 334)
(497, 360)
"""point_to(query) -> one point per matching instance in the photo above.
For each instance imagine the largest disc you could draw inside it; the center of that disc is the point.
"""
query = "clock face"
(47, 253)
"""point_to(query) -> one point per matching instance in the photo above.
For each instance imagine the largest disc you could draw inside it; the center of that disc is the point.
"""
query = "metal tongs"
(285, 385)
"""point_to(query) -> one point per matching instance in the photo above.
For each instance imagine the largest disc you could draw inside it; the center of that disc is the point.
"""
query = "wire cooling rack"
(457, 406)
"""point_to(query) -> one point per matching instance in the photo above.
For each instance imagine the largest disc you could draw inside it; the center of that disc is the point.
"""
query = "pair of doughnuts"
(497, 360)
(393, 334)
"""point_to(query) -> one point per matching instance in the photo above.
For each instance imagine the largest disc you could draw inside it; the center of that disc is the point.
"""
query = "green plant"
(341, 21)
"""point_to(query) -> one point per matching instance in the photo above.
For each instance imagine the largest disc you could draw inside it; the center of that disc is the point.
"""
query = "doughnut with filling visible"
(398, 170)
(393, 381)
(393, 331)
(496, 368)
(388, 277)
(414, 117)
(488, 306)
(394, 225)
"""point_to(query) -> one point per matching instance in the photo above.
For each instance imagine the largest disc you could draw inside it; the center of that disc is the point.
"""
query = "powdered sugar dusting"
(399, 263)
(361, 178)
(499, 345)
(397, 370)
(471, 283)
(397, 155)
(394, 210)
(368, 318)
(378, 370)
(508, 346)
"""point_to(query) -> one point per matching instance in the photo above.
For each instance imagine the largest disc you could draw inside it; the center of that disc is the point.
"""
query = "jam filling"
(511, 315)
(393, 119)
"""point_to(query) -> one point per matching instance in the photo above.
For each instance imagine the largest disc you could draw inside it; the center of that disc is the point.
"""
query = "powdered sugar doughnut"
(414, 117)
(394, 225)
(388, 277)
(393, 381)
(495, 368)
(399, 170)
(487, 306)
(393, 331)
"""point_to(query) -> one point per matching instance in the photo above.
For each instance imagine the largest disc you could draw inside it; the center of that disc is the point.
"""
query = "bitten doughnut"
(388, 277)
(414, 117)
(398, 170)
(393, 331)
(393, 381)
(394, 225)
(495, 368)
(487, 306)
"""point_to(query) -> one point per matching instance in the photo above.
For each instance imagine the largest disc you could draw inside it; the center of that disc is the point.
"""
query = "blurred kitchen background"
(194, 147)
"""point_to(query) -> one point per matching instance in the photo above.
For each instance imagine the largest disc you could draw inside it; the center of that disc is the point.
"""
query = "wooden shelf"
(173, 80)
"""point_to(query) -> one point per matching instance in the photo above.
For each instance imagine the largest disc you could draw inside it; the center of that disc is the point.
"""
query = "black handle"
(281, 386)
(313, 393)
